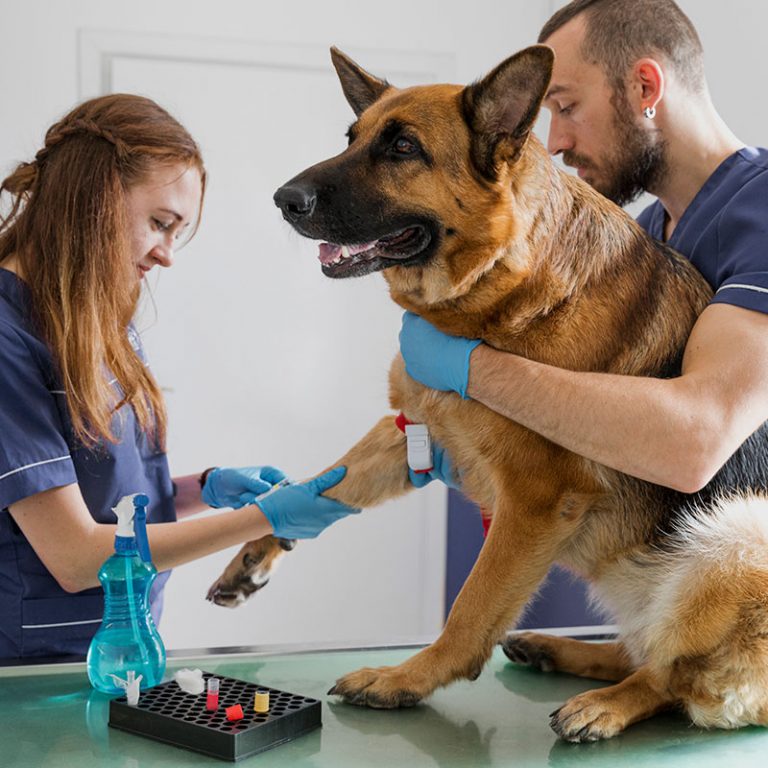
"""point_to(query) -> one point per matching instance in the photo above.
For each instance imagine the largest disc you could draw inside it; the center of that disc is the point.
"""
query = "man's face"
(596, 129)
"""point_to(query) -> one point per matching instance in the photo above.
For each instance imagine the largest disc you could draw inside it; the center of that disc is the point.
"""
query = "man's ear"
(360, 88)
(501, 108)
(646, 84)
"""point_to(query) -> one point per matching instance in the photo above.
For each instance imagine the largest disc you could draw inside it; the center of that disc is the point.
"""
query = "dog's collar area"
(401, 422)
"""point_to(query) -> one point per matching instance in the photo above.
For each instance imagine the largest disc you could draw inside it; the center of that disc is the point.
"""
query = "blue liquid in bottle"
(127, 638)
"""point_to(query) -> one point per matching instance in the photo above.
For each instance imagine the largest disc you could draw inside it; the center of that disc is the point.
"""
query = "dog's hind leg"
(728, 688)
(712, 631)
(605, 712)
(600, 661)
(717, 652)
(705, 634)
(711, 661)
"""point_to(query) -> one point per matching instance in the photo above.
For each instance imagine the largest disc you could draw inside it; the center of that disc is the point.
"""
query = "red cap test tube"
(212, 697)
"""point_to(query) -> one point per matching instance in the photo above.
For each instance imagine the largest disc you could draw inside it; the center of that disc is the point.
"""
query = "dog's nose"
(295, 200)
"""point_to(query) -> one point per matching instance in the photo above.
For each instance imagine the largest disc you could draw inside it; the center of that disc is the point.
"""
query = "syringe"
(276, 487)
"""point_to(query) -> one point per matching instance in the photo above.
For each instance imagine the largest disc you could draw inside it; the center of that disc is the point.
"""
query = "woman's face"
(161, 209)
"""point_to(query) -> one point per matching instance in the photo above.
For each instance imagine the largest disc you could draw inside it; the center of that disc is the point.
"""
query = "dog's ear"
(501, 108)
(360, 87)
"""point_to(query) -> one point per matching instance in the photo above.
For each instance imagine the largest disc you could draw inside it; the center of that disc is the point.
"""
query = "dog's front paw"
(588, 717)
(229, 592)
(380, 688)
(249, 571)
(527, 650)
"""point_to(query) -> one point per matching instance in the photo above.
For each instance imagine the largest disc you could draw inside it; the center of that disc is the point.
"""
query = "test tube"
(261, 701)
(212, 695)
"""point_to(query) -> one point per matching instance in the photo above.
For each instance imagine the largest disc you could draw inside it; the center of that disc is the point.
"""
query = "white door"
(263, 359)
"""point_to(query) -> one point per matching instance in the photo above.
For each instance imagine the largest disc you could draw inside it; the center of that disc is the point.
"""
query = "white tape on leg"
(419, 447)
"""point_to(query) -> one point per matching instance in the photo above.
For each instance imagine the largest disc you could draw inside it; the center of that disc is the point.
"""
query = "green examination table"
(51, 718)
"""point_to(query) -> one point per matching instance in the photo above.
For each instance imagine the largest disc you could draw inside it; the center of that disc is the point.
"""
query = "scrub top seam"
(35, 464)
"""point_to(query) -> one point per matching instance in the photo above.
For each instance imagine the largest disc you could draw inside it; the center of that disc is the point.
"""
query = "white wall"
(733, 35)
(264, 360)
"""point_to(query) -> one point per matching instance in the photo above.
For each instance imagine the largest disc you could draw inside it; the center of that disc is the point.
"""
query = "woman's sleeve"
(34, 454)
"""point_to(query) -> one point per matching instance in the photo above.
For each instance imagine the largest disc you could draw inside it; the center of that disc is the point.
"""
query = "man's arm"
(673, 432)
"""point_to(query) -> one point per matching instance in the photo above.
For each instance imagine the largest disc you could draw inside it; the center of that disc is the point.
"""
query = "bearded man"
(631, 111)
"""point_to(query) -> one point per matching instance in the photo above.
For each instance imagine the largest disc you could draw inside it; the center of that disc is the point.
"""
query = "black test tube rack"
(168, 714)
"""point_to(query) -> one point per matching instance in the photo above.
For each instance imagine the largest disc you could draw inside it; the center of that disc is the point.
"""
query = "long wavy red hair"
(68, 228)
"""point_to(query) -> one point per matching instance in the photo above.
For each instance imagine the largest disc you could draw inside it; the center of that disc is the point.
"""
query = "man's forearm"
(641, 426)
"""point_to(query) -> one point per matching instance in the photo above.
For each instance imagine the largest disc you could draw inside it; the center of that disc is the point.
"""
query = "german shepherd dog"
(446, 189)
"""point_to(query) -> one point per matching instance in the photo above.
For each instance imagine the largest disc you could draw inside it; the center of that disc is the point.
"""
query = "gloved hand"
(442, 469)
(300, 512)
(236, 487)
(435, 359)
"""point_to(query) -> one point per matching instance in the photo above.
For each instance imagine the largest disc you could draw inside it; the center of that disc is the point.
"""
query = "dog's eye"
(405, 146)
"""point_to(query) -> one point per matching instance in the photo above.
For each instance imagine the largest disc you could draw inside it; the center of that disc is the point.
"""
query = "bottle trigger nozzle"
(140, 502)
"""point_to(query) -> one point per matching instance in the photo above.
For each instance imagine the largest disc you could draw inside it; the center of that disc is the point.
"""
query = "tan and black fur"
(480, 234)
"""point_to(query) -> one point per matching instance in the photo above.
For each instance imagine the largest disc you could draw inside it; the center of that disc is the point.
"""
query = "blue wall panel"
(561, 601)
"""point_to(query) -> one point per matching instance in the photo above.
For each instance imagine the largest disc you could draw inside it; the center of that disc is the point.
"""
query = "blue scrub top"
(724, 231)
(38, 451)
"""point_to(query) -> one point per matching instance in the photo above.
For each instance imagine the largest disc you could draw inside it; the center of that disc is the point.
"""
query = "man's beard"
(639, 163)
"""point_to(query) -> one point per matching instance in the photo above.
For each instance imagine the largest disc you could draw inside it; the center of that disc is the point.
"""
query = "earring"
(649, 112)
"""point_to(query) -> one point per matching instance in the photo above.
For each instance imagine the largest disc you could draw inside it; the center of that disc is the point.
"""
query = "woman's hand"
(300, 512)
(235, 487)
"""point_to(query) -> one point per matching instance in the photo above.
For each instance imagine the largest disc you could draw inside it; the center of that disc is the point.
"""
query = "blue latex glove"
(442, 469)
(236, 487)
(435, 359)
(300, 512)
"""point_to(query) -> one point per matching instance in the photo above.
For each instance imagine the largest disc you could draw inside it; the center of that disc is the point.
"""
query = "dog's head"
(419, 189)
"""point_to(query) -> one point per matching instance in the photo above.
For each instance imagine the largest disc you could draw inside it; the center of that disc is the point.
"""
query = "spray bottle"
(127, 640)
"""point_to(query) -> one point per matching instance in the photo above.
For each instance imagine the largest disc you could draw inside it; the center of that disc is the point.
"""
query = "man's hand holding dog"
(442, 470)
(433, 358)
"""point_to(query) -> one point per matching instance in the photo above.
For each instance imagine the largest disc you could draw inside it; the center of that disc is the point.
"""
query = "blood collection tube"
(261, 701)
(212, 696)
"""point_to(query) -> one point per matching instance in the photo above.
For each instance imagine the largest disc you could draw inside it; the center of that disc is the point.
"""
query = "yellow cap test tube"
(261, 701)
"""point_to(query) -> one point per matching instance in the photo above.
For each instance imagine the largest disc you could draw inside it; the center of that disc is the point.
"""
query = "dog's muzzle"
(296, 201)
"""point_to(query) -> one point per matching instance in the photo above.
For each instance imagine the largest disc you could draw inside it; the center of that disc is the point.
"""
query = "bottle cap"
(125, 512)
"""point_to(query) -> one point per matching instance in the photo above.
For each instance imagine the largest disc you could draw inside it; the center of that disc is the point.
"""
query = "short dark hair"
(619, 32)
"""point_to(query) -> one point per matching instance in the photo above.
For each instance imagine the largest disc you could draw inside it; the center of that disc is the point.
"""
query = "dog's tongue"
(330, 252)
